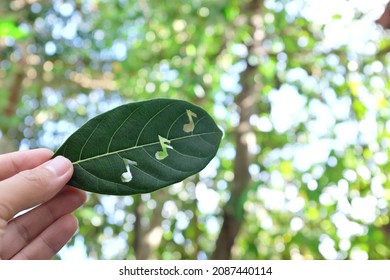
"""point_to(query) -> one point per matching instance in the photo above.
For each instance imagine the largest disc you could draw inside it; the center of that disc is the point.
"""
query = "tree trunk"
(247, 100)
(146, 240)
(15, 92)
(7, 145)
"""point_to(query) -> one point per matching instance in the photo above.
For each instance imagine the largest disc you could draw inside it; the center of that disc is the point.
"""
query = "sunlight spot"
(347, 133)
(364, 209)
(312, 185)
(240, 50)
(199, 91)
(208, 199)
(204, 12)
(169, 209)
(50, 48)
(296, 224)
(287, 108)
(327, 248)
(345, 244)
(96, 221)
(113, 246)
(212, 225)
(66, 9)
(345, 227)
(267, 223)
(377, 186)
(296, 205)
(358, 254)
(272, 199)
(154, 236)
(76, 252)
(179, 25)
(364, 172)
(119, 50)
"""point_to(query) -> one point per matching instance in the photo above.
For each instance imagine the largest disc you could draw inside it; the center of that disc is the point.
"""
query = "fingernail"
(58, 165)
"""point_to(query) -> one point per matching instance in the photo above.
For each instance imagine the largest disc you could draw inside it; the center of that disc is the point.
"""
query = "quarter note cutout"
(160, 155)
(127, 176)
(189, 127)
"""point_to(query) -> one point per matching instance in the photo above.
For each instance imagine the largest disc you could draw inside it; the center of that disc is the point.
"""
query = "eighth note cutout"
(160, 155)
(189, 127)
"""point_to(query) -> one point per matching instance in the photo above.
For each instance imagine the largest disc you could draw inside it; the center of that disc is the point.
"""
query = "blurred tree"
(384, 19)
(302, 172)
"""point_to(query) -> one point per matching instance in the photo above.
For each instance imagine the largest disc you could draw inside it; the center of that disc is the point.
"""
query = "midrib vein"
(136, 147)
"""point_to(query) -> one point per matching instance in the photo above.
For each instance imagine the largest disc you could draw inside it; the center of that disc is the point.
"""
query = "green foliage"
(141, 147)
(10, 29)
(317, 140)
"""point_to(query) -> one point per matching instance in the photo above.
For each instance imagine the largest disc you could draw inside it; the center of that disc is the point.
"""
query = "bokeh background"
(300, 88)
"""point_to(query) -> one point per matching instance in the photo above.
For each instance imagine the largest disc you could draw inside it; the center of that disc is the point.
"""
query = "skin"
(31, 179)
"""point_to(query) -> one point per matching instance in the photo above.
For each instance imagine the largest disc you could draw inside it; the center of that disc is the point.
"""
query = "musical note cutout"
(160, 155)
(127, 176)
(189, 127)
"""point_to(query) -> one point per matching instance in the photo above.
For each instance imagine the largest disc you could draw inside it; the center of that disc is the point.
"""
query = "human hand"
(29, 179)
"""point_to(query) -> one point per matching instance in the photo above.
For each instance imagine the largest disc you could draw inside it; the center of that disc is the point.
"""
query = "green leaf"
(10, 29)
(141, 147)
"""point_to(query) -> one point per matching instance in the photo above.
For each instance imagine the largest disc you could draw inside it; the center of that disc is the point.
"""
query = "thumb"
(32, 187)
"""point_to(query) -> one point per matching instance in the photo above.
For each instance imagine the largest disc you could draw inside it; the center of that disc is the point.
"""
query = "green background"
(300, 89)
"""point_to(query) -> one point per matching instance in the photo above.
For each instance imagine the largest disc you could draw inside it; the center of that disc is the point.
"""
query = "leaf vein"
(139, 135)
(160, 162)
(89, 137)
(169, 130)
(112, 137)
(142, 146)
(104, 180)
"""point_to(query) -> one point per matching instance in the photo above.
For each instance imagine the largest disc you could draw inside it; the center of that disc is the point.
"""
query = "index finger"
(13, 163)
